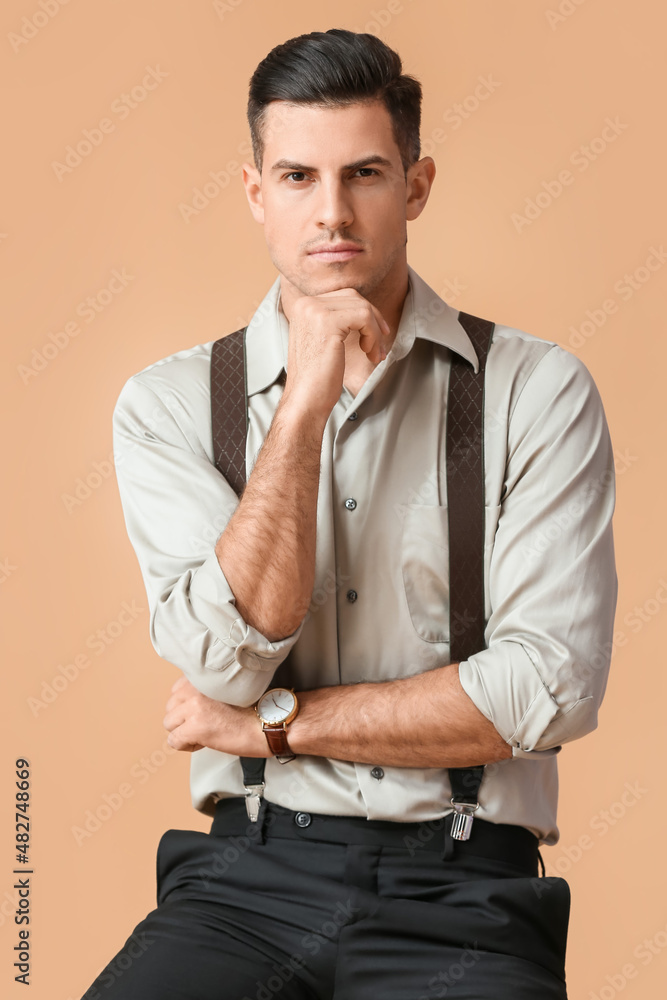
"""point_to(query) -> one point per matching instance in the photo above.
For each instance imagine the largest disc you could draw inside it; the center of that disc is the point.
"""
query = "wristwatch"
(276, 709)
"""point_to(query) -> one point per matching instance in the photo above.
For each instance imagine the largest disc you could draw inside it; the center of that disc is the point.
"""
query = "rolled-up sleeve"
(176, 504)
(552, 577)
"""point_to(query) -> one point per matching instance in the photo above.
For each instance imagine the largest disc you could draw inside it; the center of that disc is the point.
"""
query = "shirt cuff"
(214, 604)
(503, 683)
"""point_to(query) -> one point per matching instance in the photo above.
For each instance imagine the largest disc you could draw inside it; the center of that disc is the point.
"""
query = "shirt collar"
(425, 314)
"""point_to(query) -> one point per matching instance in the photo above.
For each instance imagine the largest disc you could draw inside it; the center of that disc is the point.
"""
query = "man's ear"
(252, 181)
(419, 181)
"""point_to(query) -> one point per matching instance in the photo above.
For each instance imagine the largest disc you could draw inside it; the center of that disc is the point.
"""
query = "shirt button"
(377, 772)
(352, 596)
(353, 416)
(350, 503)
(303, 819)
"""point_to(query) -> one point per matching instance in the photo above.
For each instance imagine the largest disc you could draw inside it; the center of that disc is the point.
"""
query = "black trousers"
(303, 906)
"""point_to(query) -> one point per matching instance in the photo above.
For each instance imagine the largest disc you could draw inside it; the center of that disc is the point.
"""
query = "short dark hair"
(336, 68)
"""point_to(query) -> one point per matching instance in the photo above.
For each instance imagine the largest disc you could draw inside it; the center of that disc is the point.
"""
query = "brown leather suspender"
(465, 498)
(465, 512)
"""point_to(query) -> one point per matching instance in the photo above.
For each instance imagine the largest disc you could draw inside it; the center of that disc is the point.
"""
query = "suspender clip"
(253, 800)
(462, 821)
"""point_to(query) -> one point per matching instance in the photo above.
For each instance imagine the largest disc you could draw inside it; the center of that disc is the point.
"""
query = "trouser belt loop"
(262, 821)
(449, 845)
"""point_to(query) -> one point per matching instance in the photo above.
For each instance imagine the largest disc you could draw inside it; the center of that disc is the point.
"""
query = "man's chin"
(306, 284)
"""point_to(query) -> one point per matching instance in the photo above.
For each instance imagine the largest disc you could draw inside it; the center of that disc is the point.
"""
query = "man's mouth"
(336, 251)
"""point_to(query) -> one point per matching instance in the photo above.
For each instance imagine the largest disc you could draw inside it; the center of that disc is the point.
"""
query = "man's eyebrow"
(365, 162)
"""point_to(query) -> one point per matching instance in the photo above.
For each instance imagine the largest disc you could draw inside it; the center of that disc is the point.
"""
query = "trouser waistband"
(506, 842)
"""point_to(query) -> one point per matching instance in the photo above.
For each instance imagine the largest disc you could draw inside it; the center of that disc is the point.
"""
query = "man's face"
(332, 175)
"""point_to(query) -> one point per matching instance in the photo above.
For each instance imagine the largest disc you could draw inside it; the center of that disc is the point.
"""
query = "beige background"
(67, 566)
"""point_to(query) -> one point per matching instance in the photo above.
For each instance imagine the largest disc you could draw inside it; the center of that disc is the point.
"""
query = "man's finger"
(174, 742)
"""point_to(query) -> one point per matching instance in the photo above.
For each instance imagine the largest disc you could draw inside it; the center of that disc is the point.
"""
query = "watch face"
(276, 705)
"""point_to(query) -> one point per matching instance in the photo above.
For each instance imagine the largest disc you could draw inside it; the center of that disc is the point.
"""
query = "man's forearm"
(426, 720)
(267, 550)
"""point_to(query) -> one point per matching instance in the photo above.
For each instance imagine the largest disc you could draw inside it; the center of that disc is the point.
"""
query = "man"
(329, 577)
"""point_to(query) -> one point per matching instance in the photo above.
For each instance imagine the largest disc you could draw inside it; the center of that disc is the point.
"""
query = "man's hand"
(195, 721)
(318, 328)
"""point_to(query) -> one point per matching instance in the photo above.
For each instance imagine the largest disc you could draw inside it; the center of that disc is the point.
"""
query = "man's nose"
(334, 207)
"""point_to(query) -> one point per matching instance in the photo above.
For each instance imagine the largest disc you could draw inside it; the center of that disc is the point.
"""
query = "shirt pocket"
(425, 566)
(425, 569)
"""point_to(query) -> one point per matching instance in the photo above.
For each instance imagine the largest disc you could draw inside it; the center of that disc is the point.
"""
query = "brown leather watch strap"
(276, 737)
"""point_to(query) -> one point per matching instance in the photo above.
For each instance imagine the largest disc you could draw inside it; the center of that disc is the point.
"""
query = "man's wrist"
(309, 732)
(258, 747)
(299, 415)
(298, 726)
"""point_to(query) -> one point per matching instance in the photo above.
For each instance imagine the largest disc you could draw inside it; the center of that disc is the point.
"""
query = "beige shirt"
(550, 578)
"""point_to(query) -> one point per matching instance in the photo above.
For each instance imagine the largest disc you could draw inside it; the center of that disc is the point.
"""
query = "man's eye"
(296, 176)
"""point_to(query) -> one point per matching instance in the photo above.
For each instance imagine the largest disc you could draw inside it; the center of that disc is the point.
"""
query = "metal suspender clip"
(253, 800)
(462, 821)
